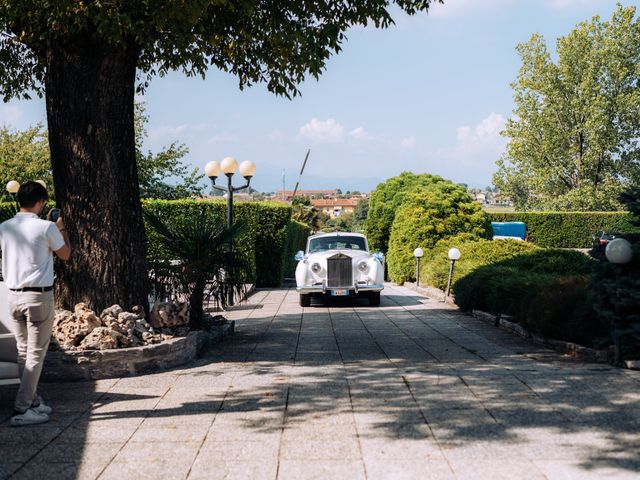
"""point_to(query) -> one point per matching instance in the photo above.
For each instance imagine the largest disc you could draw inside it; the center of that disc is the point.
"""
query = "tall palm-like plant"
(198, 260)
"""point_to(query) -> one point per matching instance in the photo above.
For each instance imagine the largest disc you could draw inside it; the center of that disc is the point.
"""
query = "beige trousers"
(33, 314)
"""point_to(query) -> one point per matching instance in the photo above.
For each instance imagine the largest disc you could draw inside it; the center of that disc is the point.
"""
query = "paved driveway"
(413, 389)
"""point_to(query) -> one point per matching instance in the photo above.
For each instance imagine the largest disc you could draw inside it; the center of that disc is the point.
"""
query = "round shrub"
(427, 215)
(384, 202)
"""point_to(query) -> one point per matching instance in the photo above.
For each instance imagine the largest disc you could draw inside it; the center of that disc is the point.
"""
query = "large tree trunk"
(90, 103)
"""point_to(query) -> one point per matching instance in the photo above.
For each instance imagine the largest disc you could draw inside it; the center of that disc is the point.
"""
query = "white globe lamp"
(619, 251)
(229, 165)
(247, 169)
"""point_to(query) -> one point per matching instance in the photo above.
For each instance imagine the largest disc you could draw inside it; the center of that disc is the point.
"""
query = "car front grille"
(339, 271)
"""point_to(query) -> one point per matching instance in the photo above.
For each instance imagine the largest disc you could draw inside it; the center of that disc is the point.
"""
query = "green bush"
(263, 240)
(475, 253)
(385, 200)
(297, 234)
(546, 291)
(430, 214)
(568, 229)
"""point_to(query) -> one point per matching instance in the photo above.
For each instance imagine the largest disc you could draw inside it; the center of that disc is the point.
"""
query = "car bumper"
(354, 289)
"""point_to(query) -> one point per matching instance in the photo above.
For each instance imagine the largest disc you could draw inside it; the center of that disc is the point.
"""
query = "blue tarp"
(509, 229)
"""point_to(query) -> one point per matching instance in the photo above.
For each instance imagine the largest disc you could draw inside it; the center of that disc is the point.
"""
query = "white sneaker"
(41, 407)
(30, 417)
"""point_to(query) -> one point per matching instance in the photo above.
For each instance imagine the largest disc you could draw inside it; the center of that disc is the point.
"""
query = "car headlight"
(363, 266)
(316, 268)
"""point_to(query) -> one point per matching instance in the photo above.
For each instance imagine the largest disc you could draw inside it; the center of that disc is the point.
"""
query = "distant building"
(287, 194)
(481, 197)
(336, 207)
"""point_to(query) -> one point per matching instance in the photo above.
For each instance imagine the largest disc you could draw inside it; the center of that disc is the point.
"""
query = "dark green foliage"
(263, 239)
(384, 202)
(568, 229)
(427, 215)
(201, 262)
(615, 290)
(546, 291)
(475, 253)
(297, 234)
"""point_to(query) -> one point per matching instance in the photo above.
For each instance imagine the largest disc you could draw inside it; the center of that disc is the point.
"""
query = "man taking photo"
(28, 244)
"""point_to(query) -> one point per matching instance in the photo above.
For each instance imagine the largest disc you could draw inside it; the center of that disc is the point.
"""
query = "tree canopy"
(24, 155)
(384, 202)
(275, 42)
(574, 136)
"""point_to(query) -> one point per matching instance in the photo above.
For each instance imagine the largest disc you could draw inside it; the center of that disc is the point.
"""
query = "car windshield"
(337, 243)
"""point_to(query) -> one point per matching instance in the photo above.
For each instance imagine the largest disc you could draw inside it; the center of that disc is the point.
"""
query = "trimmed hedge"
(546, 291)
(264, 238)
(434, 269)
(297, 233)
(568, 229)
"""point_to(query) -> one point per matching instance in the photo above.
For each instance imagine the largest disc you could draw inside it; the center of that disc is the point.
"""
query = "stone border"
(123, 362)
(504, 322)
(569, 348)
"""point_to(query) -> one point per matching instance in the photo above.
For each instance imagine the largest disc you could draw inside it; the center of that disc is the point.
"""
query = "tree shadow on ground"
(408, 378)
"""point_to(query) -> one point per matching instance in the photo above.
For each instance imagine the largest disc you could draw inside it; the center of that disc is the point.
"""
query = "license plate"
(339, 293)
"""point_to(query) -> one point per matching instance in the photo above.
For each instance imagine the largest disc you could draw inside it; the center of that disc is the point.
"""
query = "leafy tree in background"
(87, 57)
(155, 169)
(427, 215)
(24, 155)
(360, 214)
(574, 137)
(386, 199)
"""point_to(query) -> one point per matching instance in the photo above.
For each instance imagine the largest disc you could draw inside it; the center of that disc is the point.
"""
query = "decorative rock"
(100, 338)
(169, 315)
(112, 311)
(70, 328)
(139, 311)
(127, 318)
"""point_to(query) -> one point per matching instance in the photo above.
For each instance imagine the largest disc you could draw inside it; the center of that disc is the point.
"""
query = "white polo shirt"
(28, 243)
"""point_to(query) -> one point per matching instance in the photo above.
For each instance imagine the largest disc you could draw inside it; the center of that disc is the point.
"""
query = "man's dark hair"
(31, 193)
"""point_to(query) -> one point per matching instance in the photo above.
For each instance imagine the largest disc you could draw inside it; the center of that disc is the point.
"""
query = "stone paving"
(413, 389)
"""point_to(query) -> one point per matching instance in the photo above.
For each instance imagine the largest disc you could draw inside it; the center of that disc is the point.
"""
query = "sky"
(429, 95)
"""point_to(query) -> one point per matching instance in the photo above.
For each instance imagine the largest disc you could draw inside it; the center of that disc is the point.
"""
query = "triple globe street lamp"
(228, 167)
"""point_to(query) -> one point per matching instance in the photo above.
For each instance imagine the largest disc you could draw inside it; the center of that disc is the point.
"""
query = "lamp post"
(418, 253)
(228, 167)
(454, 254)
(12, 188)
(620, 252)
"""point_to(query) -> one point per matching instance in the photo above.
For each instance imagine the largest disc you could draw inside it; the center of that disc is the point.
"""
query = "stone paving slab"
(413, 389)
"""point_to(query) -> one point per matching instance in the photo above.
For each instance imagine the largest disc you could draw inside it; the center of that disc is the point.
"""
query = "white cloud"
(222, 137)
(408, 143)
(472, 158)
(10, 115)
(484, 136)
(453, 8)
(322, 131)
(167, 132)
(456, 8)
(359, 134)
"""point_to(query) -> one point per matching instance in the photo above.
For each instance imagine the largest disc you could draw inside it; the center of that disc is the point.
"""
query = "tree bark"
(90, 109)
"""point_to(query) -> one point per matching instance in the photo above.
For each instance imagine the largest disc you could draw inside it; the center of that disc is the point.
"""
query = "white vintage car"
(339, 265)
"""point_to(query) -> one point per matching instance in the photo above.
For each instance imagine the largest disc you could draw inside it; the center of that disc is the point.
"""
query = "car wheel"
(374, 299)
(305, 300)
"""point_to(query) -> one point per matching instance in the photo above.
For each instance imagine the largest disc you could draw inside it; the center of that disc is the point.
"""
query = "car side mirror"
(299, 255)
